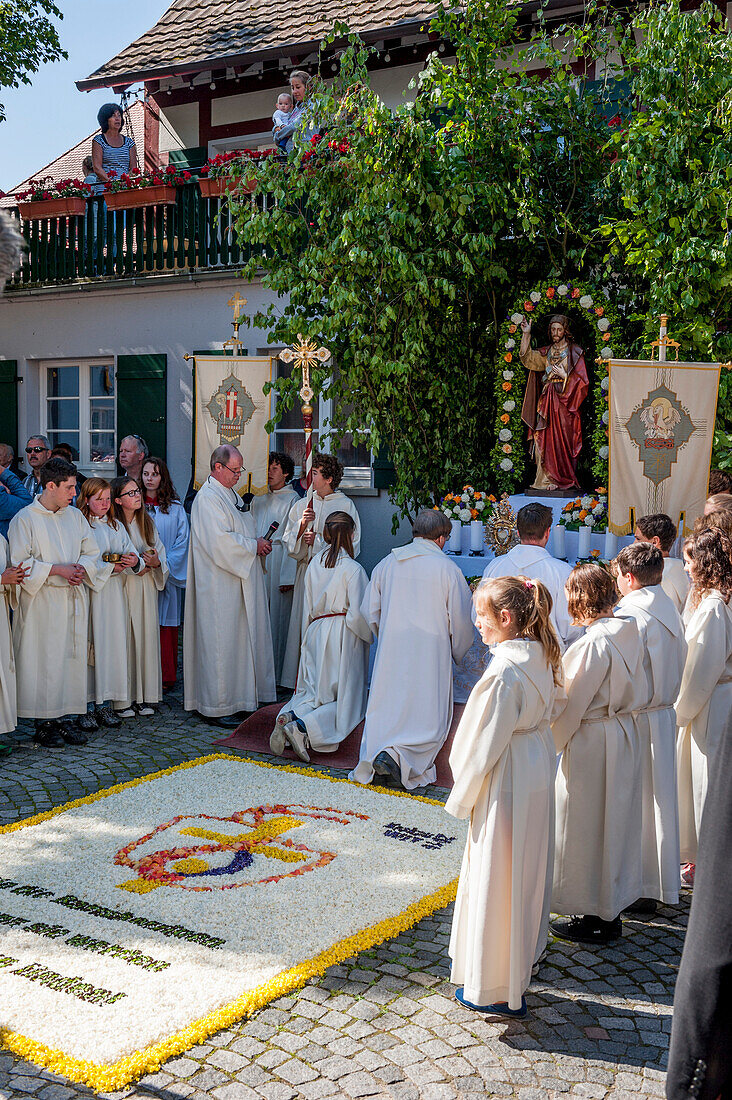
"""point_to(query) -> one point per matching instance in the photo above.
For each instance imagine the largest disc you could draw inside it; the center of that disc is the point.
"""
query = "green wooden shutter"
(384, 472)
(9, 403)
(141, 400)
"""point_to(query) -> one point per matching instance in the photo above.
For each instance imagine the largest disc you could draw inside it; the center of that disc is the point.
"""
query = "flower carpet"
(139, 920)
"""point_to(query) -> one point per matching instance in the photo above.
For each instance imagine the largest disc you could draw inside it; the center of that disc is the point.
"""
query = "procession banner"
(230, 407)
(661, 431)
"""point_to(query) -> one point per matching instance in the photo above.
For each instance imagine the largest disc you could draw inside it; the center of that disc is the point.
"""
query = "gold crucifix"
(305, 354)
(236, 303)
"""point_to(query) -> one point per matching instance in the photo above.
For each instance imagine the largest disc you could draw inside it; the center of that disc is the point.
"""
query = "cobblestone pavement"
(383, 1024)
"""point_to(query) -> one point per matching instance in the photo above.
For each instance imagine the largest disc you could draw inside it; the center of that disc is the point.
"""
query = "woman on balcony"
(300, 119)
(112, 151)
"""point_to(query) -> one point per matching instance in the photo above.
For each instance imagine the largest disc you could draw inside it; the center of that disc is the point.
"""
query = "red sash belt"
(331, 615)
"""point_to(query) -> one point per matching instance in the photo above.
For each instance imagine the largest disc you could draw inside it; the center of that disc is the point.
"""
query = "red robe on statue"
(551, 411)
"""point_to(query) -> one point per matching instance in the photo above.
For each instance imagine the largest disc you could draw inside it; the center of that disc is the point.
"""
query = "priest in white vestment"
(532, 559)
(51, 624)
(640, 569)
(418, 605)
(10, 577)
(303, 539)
(597, 867)
(227, 642)
(279, 568)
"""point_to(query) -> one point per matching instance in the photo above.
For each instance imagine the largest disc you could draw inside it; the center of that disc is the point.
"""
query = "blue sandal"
(500, 1008)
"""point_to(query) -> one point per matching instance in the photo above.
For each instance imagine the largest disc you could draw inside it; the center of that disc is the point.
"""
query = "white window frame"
(85, 466)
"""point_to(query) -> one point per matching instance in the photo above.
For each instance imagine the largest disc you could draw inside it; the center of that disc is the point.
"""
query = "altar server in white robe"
(532, 559)
(503, 762)
(171, 523)
(303, 539)
(10, 578)
(279, 568)
(145, 679)
(51, 624)
(660, 531)
(109, 612)
(418, 605)
(330, 700)
(639, 572)
(597, 867)
(705, 696)
(228, 667)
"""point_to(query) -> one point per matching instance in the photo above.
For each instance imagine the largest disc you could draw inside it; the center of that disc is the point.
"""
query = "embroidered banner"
(230, 407)
(661, 432)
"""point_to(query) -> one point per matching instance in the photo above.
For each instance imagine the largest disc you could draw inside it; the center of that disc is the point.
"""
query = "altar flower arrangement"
(467, 505)
(586, 511)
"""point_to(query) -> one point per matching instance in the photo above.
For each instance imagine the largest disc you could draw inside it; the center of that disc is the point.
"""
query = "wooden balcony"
(191, 234)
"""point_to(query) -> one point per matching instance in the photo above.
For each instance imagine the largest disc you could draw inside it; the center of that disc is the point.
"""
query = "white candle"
(611, 545)
(455, 544)
(583, 550)
(558, 541)
(477, 536)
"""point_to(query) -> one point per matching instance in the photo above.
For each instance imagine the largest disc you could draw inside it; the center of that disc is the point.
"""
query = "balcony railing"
(192, 234)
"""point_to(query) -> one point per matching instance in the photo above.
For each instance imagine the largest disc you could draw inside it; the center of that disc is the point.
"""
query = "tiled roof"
(68, 165)
(192, 32)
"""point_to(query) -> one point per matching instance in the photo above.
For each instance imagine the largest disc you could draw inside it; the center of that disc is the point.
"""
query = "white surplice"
(8, 688)
(173, 528)
(303, 554)
(227, 642)
(109, 618)
(503, 762)
(145, 676)
(702, 709)
(597, 867)
(675, 582)
(418, 605)
(51, 624)
(331, 678)
(664, 651)
(537, 563)
(278, 567)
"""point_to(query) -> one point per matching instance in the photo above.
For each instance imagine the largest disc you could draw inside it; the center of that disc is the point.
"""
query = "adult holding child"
(171, 523)
(299, 120)
(109, 618)
(330, 700)
(145, 683)
(503, 762)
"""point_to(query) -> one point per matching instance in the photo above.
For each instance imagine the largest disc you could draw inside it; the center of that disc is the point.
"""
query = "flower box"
(53, 208)
(157, 195)
(221, 185)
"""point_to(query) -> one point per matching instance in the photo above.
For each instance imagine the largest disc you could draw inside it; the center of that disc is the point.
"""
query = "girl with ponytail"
(330, 699)
(598, 865)
(503, 764)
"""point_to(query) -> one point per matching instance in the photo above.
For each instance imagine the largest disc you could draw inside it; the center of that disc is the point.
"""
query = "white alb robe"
(51, 624)
(145, 675)
(664, 651)
(303, 554)
(173, 528)
(331, 678)
(702, 709)
(675, 582)
(418, 605)
(8, 688)
(278, 567)
(503, 762)
(227, 642)
(537, 563)
(597, 867)
(109, 618)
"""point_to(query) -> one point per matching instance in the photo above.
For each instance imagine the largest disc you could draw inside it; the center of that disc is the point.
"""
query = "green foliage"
(27, 39)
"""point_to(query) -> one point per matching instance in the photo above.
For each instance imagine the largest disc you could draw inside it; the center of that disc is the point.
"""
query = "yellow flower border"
(111, 1078)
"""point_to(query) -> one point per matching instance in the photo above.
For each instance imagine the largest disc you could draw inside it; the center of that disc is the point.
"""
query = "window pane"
(63, 414)
(293, 444)
(101, 415)
(101, 447)
(63, 381)
(101, 381)
(72, 438)
(352, 455)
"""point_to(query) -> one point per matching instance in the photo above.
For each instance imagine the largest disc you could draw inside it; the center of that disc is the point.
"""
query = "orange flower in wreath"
(507, 448)
(511, 328)
(528, 306)
(550, 292)
(599, 311)
(606, 337)
(506, 386)
(575, 293)
(508, 357)
(505, 418)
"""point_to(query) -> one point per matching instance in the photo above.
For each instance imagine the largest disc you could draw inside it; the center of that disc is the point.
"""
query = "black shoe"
(47, 735)
(87, 722)
(384, 764)
(5, 749)
(643, 907)
(70, 735)
(226, 722)
(587, 929)
(107, 717)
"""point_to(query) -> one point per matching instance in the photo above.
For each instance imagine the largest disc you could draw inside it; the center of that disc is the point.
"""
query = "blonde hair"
(720, 502)
(529, 604)
(591, 592)
(91, 488)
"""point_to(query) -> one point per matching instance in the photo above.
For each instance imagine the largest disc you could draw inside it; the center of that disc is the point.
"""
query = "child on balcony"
(281, 116)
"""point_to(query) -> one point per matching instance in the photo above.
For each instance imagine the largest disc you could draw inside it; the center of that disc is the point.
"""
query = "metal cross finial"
(237, 303)
(305, 354)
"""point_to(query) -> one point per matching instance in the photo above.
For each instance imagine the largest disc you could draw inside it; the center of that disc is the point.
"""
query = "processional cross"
(306, 354)
(236, 303)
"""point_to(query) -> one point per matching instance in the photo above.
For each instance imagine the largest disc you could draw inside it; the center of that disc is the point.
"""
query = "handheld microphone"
(271, 530)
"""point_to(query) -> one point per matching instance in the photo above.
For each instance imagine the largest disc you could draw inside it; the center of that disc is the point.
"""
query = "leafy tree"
(27, 39)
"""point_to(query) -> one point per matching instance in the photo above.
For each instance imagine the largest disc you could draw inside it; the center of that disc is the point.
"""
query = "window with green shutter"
(141, 400)
(9, 403)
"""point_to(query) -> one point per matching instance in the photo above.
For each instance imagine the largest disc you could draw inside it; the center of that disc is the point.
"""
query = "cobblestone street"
(384, 1024)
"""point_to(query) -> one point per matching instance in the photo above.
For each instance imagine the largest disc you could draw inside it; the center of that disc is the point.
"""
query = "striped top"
(116, 160)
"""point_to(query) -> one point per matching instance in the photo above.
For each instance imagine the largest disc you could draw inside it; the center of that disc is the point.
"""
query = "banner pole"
(305, 354)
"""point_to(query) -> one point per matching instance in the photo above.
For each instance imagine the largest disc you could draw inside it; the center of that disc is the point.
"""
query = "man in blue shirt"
(13, 495)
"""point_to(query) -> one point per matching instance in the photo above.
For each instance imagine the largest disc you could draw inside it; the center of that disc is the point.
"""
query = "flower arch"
(508, 456)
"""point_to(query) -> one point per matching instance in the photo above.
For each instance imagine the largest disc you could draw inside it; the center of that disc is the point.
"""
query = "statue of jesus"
(555, 389)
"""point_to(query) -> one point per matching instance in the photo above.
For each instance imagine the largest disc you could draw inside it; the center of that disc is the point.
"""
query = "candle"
(456, 535)
(558, 541)
(583, 550)
(477, 536)
(611, 545)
